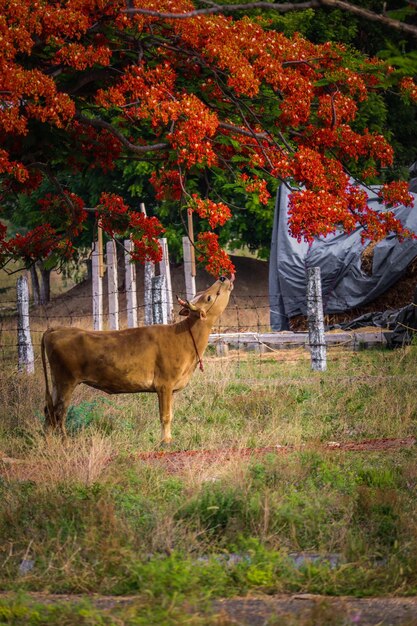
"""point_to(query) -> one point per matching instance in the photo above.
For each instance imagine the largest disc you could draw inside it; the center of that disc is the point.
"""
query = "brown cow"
(159, 359)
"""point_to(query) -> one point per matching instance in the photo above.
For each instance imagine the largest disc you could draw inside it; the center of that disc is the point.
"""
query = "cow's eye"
(222, 279)
(208, 298)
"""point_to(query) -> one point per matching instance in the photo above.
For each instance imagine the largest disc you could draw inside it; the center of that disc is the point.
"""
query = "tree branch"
(96, 122)
(226, 8)
(370, 15)
(242, 131)
(285, 7)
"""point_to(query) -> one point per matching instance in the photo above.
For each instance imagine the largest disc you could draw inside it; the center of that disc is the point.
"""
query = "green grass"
(95, 518)
(138, 530)
(21, 610)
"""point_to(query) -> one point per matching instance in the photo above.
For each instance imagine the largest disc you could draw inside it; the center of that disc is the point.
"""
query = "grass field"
(88, 515)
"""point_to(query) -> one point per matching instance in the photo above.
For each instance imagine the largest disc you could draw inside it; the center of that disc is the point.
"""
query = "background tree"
(206, 105)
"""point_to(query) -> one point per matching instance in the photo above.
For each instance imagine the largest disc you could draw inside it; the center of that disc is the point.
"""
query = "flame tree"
(86, 84)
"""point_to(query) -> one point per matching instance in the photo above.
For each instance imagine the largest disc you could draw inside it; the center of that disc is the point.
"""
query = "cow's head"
(211, 303)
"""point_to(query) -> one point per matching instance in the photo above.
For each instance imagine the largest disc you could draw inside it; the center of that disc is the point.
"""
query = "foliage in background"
(213, 110)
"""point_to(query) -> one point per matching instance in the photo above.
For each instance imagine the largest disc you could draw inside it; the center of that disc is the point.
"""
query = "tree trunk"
(45, 284)
(35, 285)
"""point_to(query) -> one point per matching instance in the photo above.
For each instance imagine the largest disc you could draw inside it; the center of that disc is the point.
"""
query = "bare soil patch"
(177, 461)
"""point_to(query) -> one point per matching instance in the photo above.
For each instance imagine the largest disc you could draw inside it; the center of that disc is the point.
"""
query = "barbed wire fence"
(243, 328)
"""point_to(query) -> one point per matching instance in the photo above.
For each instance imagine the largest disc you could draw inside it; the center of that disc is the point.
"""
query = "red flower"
(216, 260)
(217, 213)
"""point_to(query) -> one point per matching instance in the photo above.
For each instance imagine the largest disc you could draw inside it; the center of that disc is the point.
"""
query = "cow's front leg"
(165, 398)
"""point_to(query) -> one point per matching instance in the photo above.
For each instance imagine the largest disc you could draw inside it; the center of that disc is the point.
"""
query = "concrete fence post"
(222, 349)
(188, 268)
(25, 356)
(165, 271)
(149, 274)
(158, 305)
(97, 284)
(113, 293)
(131, 295)
(315, 319)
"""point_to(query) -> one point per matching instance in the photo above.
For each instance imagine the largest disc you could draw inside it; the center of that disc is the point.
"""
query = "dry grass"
(53, 461)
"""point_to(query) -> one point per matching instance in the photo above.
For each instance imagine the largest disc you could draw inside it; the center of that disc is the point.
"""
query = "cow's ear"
(184, 311)
(203, 314)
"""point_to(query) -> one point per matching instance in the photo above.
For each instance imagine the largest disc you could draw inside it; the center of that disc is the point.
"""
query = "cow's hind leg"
(165, 398)
(57, 405)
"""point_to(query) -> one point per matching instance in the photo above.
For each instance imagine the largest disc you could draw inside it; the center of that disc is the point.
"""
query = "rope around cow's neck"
(200, 360)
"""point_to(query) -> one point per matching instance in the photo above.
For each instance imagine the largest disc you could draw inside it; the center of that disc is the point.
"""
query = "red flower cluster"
(113, 213)
(409, 87)
(116, 218)
(16, 169)
(378, 225)
(320, 213)
(396, 193)
(317, 213)
(167, 184)
(68, 215)
(209, 252)
(145, 232)
(258, 186)
(81, 57)
(216, 213)
(336, 108)
(99, 147)
(37, 244)
(195, 125)
(145, 249)
(64, 222)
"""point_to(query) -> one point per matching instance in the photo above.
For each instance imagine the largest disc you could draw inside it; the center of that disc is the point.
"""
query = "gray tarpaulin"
(345, 285)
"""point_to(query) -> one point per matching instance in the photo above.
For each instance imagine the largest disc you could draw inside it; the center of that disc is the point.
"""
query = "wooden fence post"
(100, 250)
(158, 304)
(131, 296)
(112, 287)
(165, 271)
(188, 268)
(315, 319)
(97, 283)
(25, 356)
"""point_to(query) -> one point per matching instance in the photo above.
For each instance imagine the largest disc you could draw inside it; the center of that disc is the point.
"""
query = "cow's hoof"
(166, 445)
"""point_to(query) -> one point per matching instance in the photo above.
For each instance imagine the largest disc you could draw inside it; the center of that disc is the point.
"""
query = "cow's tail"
(49, 409)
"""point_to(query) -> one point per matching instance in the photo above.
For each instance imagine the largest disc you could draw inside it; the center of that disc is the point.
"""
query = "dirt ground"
(176, 462)
(276, 610)
(313, 610)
